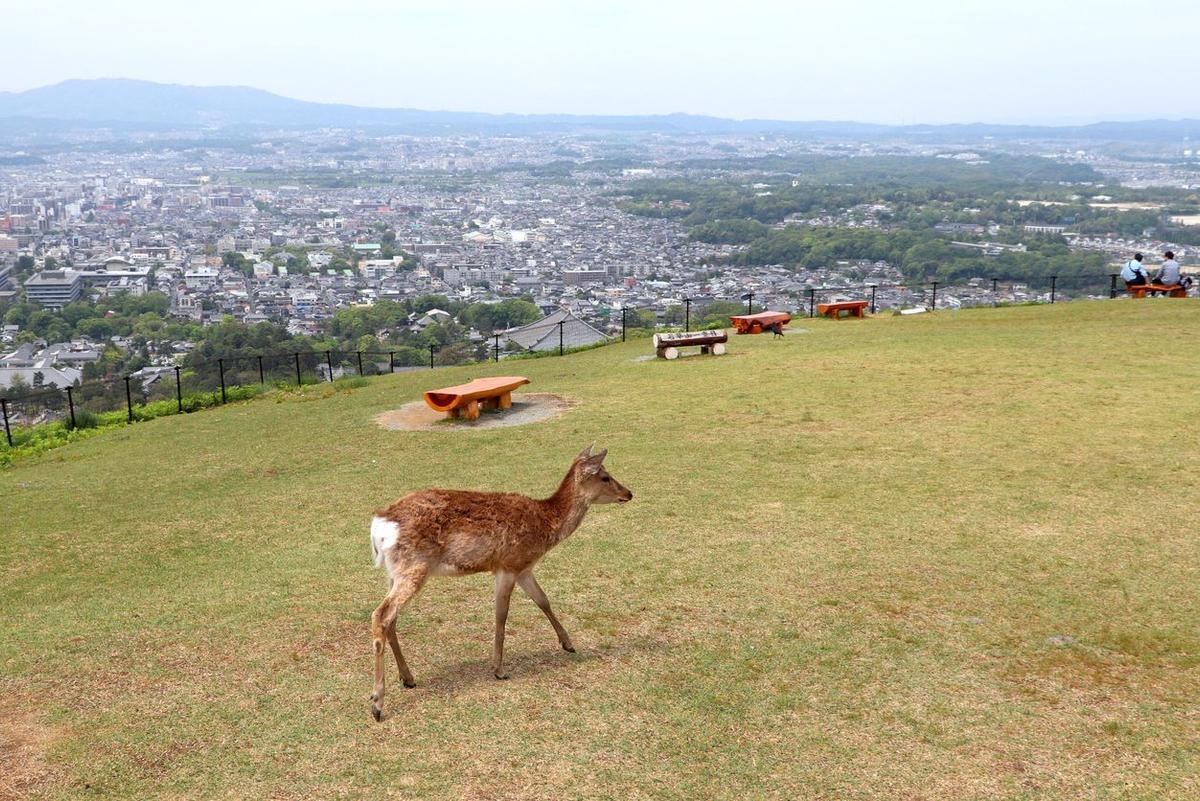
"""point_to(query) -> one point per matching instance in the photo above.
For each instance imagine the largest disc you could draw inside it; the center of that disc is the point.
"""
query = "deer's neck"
(565, 509)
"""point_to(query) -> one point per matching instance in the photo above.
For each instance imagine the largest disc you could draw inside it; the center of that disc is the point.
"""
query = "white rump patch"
(384, 534)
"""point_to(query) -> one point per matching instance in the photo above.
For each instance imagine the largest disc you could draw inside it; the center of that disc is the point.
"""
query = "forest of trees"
(913, 195)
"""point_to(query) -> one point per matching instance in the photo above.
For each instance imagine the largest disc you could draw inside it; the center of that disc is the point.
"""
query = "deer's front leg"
(504, 587)
(538, 596)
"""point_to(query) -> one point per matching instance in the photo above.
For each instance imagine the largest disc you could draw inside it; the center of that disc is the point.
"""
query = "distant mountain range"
(131, 104)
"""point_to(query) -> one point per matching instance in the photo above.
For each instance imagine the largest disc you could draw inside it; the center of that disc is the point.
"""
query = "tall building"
(54, 289)
(7, 289)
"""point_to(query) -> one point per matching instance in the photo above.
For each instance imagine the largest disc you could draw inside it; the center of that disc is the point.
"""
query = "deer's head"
(595, 483)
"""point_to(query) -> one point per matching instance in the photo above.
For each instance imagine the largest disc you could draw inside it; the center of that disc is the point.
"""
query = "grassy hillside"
(899, 558)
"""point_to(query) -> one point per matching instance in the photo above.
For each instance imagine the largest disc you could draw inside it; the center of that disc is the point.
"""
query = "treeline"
(920, 255)
(145, 322)
(907, 198)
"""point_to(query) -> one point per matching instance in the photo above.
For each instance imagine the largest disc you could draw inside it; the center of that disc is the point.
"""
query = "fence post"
(560, 337)
(391, 361)
(812, 295)
(749, 303)
(360, 372)
(934, 304)
(496, 337)
(7, 430)
(71, 405)
(329, 363)
(873, 288)
(178, 391)
(128, 401)
(995, 300)
(1112, 289)
(299, 383)
(623, 310)
(261, 376)
(687, 314)
(1053, 288)
(221, 370)
(431, 349)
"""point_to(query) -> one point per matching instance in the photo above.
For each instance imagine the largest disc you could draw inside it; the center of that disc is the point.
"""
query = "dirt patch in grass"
(24, 741)
(528, 407)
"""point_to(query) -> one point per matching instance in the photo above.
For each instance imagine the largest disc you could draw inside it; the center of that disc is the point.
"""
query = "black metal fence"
(174, 390)
(178, 389)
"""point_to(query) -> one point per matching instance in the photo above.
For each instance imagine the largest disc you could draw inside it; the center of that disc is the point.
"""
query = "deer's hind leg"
(405, 585)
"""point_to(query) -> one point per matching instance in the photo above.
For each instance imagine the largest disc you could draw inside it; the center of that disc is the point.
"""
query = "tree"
(369, 343)
(640, 318)
(509, 313)
(236, 261)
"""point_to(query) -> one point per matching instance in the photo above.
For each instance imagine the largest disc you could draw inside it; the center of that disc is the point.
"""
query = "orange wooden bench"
(1140, 290)
(464, 401)
(856, 308)
(755, 323)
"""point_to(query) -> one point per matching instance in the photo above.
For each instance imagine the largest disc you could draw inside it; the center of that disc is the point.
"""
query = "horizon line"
(1098, 121)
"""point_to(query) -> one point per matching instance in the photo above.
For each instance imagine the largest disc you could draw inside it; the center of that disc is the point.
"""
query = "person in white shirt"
(1133, 273)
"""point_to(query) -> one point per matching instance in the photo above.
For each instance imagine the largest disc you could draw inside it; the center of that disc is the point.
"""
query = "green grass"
(914, 557)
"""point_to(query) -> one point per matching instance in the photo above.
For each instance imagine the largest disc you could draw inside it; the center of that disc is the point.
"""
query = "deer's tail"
(384, 533)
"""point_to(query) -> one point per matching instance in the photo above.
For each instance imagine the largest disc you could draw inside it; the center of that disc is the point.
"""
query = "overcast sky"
(903, 61)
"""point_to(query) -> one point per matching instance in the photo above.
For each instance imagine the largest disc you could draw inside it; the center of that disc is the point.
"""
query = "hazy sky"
(907, 61)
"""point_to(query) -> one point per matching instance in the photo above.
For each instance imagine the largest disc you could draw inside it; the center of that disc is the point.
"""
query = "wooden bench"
(855, 308)
(756, 323)
(1140, 290)
(667, 346)
(464, 401)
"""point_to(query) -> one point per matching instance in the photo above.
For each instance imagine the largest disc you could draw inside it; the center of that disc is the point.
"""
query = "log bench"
(854, 308)
(756, 323)
(465, 400)
(667, 346)
(1140, 290)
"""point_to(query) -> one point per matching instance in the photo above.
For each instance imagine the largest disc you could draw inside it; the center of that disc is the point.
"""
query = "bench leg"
(468, 412)
(504, 401)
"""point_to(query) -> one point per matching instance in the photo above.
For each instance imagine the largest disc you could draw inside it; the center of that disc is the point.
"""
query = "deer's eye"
(604, 479)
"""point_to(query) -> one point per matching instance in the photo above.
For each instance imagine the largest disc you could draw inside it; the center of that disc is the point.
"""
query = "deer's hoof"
(501, 676)
(376, 713)
(410, 684)
(570, 649)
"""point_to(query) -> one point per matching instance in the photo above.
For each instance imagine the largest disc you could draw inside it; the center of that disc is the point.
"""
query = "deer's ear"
(586, 453)
(598, 458)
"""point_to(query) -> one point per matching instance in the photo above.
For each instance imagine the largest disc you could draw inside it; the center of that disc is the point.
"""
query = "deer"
(445, 532)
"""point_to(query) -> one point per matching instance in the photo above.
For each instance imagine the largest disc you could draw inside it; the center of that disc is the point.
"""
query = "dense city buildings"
(292, 227)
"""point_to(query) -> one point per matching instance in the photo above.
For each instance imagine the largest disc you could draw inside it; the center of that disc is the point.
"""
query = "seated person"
(1168, 271)
(1133, 273)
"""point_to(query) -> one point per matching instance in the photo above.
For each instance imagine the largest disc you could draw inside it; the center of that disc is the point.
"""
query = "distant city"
(289, 226)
